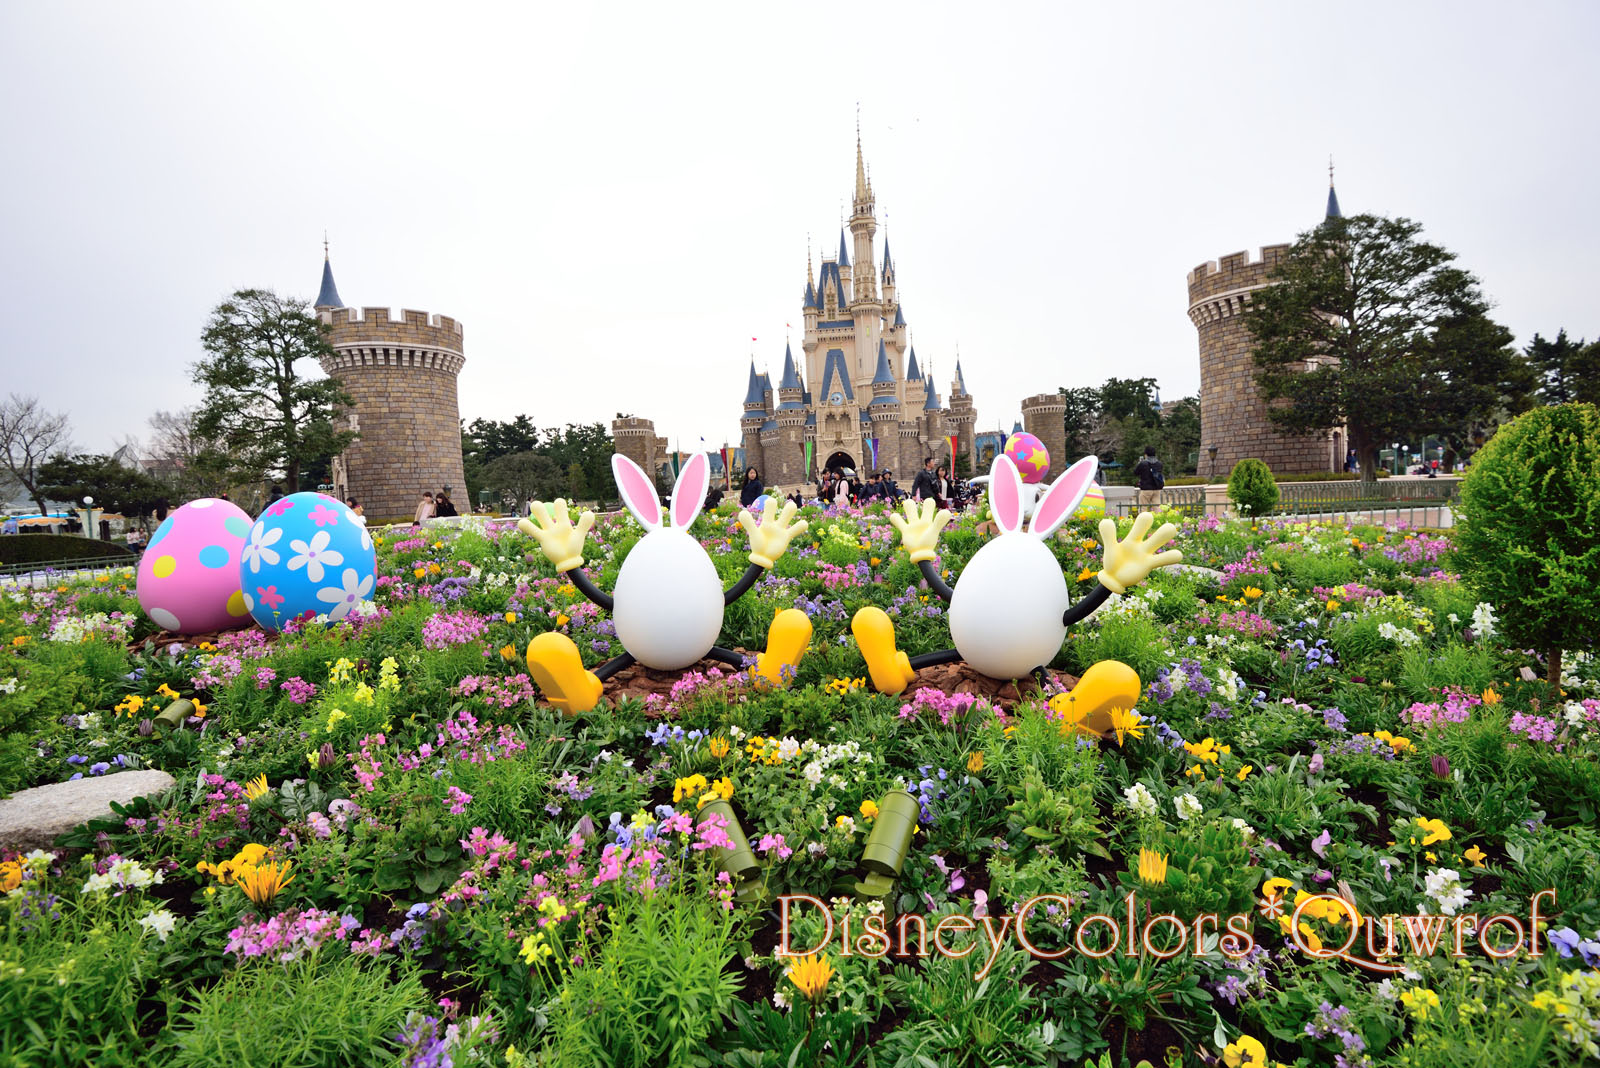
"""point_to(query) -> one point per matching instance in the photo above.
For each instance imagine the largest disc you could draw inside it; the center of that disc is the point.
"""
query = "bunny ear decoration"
(1063, 497)
(638, 492)
(689, 495)
(1005, 495)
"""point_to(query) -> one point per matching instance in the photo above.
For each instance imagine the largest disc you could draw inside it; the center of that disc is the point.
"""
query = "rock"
(33, 819)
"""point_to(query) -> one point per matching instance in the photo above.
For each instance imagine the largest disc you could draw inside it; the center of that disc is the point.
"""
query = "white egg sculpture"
(1006, 614)
(668, 601)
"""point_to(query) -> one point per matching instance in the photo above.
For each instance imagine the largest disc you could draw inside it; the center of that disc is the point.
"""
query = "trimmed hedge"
(57, 548)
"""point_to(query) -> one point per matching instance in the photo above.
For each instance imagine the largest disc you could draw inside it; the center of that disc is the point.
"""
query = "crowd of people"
(842, 486)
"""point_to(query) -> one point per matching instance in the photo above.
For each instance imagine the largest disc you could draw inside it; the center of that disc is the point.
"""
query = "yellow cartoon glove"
(561, 541)
(919, 531)
(1130, 561)
(770, 540)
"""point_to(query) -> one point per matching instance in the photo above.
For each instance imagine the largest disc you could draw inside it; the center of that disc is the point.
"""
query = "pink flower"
(280, 506)
(1319, 844)
(459, 800)
(270, 596)
(774, 843)
(323, 514)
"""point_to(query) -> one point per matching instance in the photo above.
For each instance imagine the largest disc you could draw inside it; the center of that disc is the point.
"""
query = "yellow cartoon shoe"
(1107, 687)
(559, 671)
(890, 669)
(787, 640)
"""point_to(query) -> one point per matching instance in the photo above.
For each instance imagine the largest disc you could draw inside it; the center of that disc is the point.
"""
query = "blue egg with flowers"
(307, 554)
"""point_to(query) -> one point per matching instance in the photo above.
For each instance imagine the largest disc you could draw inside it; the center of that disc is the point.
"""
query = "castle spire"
(1333, 198)
(791, 378)
(329, 295)
(844, 254)
(882, 375)
(754, 393)
(861, 169)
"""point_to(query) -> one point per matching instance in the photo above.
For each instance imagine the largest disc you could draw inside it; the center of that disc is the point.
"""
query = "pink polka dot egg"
(189, 573)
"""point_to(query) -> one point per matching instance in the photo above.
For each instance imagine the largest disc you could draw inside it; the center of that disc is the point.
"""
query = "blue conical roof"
(810, 300)
(960, 389)
(791, 380)
(899, 316)
(912, 371)
(329, 296)
(932, 403)
(754, 393)
(882, 375)
(1333, 203)
(844, 256)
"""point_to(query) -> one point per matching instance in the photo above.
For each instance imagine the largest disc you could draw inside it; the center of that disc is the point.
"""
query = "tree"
(114, 486)
(260, 406)
(189, 464)
(582, 451)
(1082, 414)
(1180, 434)
(1347, 334)
(522, 477)
(28, 436)
(1252, 487)
(1567, 370)
(1130, 398)
(1473, 381)
(1530, 505)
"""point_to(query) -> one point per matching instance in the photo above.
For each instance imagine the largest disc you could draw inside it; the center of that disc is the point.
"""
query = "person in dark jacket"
(443, 505)
(1151, 479)
(925, 487)
(752, 488)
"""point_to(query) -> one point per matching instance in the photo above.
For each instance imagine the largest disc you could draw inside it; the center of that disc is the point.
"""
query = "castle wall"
(402, 376)
(1233, 415)
(1044, 416)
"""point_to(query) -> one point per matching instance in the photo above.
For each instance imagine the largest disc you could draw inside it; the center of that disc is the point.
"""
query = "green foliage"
(1568, 371)
(114, 486)
(309, 1013)
(1251, 487)
(1529, 508)
(57, 548)
(259, 404)
(1411, 342)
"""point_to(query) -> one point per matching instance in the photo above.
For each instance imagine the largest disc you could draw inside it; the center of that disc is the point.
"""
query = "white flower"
(788, 749)
(1443, 885)
(1386, 990)
(160, 921)
(346, 598)
(1574, 713)
(1188, 806)
(259, 549)
(1244, 828)
(1453, 619)
(780, 999)
(813, 773)
(1398, 635)
(1140, 800)
(314, 556)
(1483, 620)
(847, 824)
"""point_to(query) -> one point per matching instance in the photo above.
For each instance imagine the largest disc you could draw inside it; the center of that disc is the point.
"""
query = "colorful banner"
(805, 470)
(727, 467)
(952, 440)
(872, 443)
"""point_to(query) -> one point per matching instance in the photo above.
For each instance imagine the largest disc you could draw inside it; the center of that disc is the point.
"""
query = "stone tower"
(637, 439)
(1045, 417)
(402, 375)
(1233, 415)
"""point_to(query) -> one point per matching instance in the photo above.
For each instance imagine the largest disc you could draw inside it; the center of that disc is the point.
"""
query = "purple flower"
(1441, 765)
(1565, 939)
(99, 769)
(1319, 844)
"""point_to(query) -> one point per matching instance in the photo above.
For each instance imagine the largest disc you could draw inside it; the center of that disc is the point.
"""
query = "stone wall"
(1044, 416)
(402, 376)
(636, 439)
(1233, 416)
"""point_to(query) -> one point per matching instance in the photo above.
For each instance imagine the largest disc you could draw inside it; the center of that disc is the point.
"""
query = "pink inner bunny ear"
(1005, 494)
(1063, 497)
(689, 495)
(638, 492)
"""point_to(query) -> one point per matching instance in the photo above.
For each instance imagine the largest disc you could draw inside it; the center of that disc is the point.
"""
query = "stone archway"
(840, 460)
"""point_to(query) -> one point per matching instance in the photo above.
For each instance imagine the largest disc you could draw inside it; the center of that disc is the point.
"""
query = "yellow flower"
(1490, 697)
(200, 710)
(1420, 1002)
(264, 882)
(1333, 606)
(1272, 889)
(975, 762)
(10, 876)
(1252, 592)
(419, 571)
(1127, 721)
(563, 619)
(1198, 771)
(1245, 771)
(1088, 545)
(1152, 867)
(869, 809)
(167, 691)
(1436, 830)
(508, 652)
(1476, 855)
(1400, 744)
(1430, 856)
(810, 976)
(1086, 574)
(876, 561)
(511, 617)
(257, 788)
(718, 747)
(693, 786)
(1244, 1052)
(1307, 935)
(1205, 751)
(534, 948)
(723, 788)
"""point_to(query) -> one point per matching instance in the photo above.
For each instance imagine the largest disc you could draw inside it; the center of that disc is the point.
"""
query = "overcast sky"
(614, 198)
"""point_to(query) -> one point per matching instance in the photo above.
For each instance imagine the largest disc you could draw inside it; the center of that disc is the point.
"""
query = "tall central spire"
(861, 168)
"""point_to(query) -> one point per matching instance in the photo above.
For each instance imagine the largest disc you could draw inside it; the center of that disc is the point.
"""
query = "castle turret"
(845, 271)
(402, 375)
(755, 413)
(883, 412)
(1044, 416)
(962, 419)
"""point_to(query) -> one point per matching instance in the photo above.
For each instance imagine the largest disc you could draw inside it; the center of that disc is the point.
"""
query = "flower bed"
(382, 848)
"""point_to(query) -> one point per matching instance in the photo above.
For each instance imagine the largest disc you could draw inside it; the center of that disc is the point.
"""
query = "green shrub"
(58, 548)
(1252, 488)
(1529, 508)
(305, 1014)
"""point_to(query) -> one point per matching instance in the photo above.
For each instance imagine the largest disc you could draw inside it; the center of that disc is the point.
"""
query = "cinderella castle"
(857, 397)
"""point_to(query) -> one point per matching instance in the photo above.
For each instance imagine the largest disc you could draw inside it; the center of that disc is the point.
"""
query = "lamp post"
(88, 517)
(1394, 458)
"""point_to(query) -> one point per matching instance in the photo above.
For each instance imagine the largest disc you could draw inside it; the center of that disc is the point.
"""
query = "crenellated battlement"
(1043, 402)
(379, 330)
(1234, 270)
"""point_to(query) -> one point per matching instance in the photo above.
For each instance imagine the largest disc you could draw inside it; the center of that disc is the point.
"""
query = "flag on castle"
(727, 467)
(805, 469)
(952, 440)
(872, 443)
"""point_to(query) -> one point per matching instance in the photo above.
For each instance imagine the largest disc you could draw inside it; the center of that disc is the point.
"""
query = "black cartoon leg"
(942, 656)
(746, 580)
(726, 656)
(936, 582)
(1080, 611)
(591, 591)
(612, 666)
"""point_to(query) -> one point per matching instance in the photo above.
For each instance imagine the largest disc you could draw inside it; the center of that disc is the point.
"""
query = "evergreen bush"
(1252, 487)
(1530, 506)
